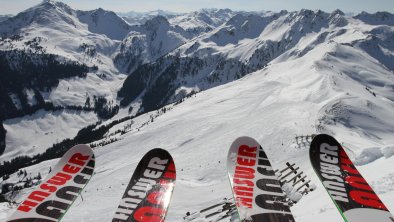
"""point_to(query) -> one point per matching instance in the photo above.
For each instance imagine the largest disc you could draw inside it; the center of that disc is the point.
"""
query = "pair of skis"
(257, 191)
(146, 197)
(259, 196)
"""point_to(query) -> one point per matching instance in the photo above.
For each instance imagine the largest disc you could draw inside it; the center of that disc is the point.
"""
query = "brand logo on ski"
(331, 172)
(354, 197)
(257, 192)
(51, 199)
(149, 191)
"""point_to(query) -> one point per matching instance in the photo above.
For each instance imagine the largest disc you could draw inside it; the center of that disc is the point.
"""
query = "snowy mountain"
(139, 18)
(192, 84)
(288, 98)
(4, 17)
(53, 37)
(202, 21)
(148, 42)
(378, 18)
(163, 32)
(245, 43)
(104, 22)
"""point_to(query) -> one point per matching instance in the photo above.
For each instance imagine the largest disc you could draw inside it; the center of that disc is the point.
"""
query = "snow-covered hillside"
(4, 17)
(269, 75)
(202, 21)
(148, 42)
(88, 38)
(273, 105)
(247, 43)
(104, 22)
(139, 18)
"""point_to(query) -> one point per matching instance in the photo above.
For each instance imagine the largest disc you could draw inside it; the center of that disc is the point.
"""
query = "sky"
(15, 6)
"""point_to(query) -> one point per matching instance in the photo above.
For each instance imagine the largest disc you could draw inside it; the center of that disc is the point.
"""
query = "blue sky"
(15, 6)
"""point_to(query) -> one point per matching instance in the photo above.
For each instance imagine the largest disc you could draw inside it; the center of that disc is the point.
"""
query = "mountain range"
(192, 83)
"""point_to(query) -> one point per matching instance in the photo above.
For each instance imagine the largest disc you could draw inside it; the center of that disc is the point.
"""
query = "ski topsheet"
(257, 191)
(149, 192)
(352, 195)
(53, 197)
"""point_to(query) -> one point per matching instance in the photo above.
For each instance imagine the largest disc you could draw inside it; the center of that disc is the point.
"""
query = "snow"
(34, 134)
(368, 155)
(75, 90)
(388, 151)
(322, 81)
(272, 105)
(105, 22)
(291, 192)
(203, 20)
(62, 31)
(139, 18)
(31, 100)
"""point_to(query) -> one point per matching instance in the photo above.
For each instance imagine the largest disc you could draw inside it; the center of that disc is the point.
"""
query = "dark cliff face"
(2, 138)
(156, 83)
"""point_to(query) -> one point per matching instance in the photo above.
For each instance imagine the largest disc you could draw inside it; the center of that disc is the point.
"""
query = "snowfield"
(273, 106)
(315, 73)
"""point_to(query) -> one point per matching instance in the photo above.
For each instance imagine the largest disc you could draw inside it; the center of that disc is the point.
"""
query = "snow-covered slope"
(271, 76)
(246, 43)
(104, 22)
(288, 98)
(146, 43)
(88, 38)
(378, 18)
(4, 17)
(139, 18)
(204, 20)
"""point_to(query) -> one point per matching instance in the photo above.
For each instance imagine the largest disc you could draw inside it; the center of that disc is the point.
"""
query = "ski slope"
(291, 96)
(331, 76)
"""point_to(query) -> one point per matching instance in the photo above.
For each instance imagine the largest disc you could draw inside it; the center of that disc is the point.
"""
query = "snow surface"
(272, 105)
(63, 31)
(331, 79)
(34, 134)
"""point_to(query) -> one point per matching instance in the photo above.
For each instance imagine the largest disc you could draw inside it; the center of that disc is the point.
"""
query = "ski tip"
(323, 138)
(245, 139)
(159, 152)
(162, 153)
(322, 135)
(83, 148)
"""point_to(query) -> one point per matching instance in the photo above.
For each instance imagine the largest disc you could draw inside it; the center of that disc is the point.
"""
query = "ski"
(149, 192)
(351, 193)
(257, 191)
(225, 207)
(218, 208)
(230, 212)
(54, 196)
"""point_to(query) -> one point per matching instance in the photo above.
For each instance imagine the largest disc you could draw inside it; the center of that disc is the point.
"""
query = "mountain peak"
(337, 12)
(50, 4)
(385, 18)
(48, 12)
(156, 22)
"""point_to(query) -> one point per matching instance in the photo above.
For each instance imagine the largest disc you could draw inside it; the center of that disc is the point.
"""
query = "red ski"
(149, 192)
(351, 193)
(54, 196)
(257, 192)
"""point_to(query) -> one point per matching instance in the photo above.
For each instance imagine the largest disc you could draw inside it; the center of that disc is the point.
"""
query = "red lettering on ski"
(59, 179)
(244, 175)
(365, 195)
